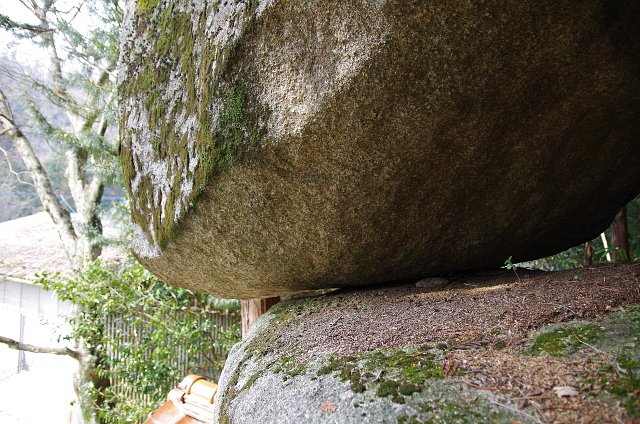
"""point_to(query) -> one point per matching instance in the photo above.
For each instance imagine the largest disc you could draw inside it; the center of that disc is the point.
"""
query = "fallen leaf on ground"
(565, 391)
(329, 407)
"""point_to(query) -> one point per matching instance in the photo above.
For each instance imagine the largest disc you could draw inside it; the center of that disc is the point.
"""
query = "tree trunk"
(86, 195)
(90, 388)
(588, 254)
(603, 236)
(620, 236)
(79, 242)
(59, 215)
(87, 198)
(82, 236)
(253, 308)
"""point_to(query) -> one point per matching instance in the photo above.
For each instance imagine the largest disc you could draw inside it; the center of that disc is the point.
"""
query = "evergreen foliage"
(71, 106)
(156, 322)
(573, 257)
(70, 110)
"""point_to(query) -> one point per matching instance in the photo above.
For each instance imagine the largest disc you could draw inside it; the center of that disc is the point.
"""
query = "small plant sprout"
(510, 265)
(499, 315)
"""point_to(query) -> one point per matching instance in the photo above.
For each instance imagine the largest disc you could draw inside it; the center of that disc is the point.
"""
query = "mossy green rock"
(276, 146)
(271, 378)
(264, 382)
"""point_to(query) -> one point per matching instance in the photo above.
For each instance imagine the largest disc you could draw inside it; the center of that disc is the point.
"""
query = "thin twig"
(564, 408)
(612, 359)
(537, 407)
(482, 387)
(561, 306)
(532, 397)
(16, 173)
(517, 411)
(378, 376)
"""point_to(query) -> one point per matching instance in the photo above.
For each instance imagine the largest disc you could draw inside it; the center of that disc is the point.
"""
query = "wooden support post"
(588, 254)
(253, 308)
(620, 236)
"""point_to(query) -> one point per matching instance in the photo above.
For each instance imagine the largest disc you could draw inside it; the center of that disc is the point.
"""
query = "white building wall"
(32, 315)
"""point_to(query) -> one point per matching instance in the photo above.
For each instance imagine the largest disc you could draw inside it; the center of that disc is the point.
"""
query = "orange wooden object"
(190, 403)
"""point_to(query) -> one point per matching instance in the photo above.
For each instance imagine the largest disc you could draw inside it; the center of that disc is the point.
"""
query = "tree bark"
(252, 308)
(620, 236)
(60, 216)
(90, 387)
(588, 254)
(87, 199)
(14, 344)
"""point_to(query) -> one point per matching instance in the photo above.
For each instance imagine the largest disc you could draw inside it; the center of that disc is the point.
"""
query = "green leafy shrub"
(574, 257)
(147, 334)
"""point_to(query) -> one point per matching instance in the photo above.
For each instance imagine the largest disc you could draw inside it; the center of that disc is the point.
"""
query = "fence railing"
(182, 360)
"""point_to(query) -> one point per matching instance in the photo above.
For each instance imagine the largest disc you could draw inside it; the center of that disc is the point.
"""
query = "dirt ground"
(482, 322)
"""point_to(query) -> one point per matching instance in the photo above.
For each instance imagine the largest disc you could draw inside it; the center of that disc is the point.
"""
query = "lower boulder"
(482, 349)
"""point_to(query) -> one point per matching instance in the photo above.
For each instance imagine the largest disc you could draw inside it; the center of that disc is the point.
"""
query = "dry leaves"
(565, 391)
(471, 316)
(329, 407)
(548, 386)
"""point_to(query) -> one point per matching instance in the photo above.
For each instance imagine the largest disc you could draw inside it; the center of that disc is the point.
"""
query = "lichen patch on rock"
(180, 126)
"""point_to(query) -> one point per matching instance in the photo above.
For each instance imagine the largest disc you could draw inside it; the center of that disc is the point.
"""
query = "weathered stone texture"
(277, 146)
(409, 355)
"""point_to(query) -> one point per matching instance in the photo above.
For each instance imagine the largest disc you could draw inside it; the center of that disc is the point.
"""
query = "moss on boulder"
(275, 146)
(270, 378)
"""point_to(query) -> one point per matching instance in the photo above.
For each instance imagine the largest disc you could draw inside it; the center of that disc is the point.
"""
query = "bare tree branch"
(15, 173)
(11, 25)
(14, 344)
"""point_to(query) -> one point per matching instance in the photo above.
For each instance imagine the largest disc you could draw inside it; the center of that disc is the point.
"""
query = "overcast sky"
(25, 50)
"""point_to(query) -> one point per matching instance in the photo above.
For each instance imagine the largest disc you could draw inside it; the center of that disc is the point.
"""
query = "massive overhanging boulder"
(276, 146)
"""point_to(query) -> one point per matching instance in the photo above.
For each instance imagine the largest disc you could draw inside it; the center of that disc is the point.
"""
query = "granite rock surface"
(276, 146)
(483, 349)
